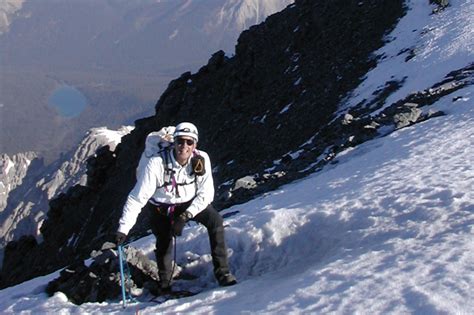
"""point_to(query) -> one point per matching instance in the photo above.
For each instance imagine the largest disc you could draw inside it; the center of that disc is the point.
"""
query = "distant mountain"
(26, 186)
(141, 36)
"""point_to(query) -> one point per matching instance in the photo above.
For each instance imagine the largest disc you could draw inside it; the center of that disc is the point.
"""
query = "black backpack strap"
(168, 166)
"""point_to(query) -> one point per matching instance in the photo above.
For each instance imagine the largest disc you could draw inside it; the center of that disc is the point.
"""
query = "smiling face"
(183, 149)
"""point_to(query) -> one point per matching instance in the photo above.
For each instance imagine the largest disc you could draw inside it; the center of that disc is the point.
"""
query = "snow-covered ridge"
(224, 20)
(245, 13)
(25, 199)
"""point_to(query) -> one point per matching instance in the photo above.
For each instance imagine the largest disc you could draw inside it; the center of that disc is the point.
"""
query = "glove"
(180, 222)
(120, 238)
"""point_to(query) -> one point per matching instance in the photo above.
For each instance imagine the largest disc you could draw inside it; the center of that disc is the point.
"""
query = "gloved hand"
(180, 222)
(120, 238)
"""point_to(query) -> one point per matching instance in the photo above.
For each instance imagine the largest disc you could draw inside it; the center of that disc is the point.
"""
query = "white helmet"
(186, 129)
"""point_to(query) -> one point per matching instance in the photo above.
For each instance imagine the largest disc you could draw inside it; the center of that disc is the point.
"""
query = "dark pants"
(161, 227)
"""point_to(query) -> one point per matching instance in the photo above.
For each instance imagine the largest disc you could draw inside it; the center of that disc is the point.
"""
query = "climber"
(176, 186)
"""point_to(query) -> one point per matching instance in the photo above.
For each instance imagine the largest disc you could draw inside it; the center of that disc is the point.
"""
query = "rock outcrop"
(100, 280)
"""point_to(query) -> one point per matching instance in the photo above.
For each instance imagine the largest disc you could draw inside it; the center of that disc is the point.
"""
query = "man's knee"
(216, 219)
(210, 218)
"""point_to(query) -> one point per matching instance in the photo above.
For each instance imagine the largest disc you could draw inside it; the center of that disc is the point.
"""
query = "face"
(183, 148)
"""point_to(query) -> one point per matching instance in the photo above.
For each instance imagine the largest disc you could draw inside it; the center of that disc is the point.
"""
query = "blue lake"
(68, 101)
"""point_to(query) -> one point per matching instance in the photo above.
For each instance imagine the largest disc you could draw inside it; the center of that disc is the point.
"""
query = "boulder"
(100, 280)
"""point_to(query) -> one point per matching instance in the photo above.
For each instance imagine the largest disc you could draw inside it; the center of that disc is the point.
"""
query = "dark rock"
(101, 280)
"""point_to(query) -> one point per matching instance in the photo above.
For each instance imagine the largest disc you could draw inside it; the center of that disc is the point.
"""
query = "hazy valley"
(120, 55)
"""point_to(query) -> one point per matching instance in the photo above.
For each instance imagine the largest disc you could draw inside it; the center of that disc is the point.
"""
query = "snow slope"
(387, 228)
(436, 43)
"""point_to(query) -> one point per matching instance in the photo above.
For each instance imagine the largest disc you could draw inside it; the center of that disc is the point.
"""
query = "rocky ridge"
(13, 172)
(28, 186)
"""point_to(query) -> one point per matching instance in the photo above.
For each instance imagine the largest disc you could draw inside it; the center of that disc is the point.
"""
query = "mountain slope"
(386, 229)
(281, 77)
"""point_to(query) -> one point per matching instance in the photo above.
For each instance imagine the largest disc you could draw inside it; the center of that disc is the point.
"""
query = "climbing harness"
(198, 169)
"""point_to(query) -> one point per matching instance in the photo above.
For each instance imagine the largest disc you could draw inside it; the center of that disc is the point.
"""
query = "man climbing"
(177, 186)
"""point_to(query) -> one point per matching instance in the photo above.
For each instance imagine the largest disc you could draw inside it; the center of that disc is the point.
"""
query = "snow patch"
(8, 167)
(286, 108)
(173, 35)
(113, 137)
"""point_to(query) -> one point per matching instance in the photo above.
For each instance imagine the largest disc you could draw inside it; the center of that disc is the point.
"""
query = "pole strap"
(122, 276)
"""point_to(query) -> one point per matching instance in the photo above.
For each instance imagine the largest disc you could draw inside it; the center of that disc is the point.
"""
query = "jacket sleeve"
(205, 189)
(144, 189)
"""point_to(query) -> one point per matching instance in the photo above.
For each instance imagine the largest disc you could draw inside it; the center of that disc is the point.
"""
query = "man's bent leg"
(212, 220)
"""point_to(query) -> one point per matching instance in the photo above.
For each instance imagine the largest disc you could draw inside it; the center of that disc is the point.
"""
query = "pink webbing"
(171, 212)
(174, 186)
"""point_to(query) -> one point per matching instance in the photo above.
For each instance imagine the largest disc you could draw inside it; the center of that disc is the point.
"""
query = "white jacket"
(150, 187)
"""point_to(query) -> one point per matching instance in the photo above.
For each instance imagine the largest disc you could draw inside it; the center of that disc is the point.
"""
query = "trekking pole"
(122, 276)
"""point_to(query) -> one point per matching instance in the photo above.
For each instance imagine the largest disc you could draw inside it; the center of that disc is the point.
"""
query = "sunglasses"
(181, 141)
